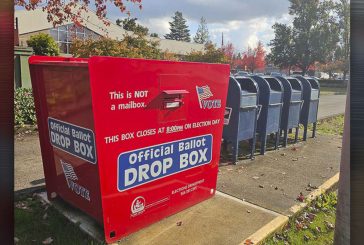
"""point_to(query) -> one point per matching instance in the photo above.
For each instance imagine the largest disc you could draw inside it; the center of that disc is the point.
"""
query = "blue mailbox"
(241, 114)
(271, 99)
(292, 104)
(311, 97)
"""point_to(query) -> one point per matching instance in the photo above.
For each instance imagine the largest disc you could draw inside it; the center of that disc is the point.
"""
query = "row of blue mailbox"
(264, 105)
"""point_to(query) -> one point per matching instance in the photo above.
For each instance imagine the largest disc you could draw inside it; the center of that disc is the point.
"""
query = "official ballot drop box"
(129, 141)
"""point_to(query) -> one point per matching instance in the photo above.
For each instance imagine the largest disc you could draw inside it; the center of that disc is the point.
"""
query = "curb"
(279, 222)
(28, 191)
(260, 235)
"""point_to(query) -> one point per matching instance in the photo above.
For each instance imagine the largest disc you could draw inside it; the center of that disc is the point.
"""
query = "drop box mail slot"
(129, 141)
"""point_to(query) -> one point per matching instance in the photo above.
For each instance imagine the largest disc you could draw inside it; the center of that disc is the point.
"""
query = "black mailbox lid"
(249, 92)
(297, 88)
(241, 123)
(315, 86)
(276, 90)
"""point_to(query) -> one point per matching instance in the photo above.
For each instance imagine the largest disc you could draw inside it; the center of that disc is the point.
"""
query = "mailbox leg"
(277, 140)
(314, 130)
(224, 145)
(235, 150)
(305, 132)
(285, 138)
(252, 147)
(263, 142)
(296, 135)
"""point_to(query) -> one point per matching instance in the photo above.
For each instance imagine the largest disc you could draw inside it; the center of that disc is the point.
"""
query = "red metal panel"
(153, 160)
(61, 88)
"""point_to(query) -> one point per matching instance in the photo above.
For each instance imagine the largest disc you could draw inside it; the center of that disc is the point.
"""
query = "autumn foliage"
(59, 12)
(229, 53)
(254, 58)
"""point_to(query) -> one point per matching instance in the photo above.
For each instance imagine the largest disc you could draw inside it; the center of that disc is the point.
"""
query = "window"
(64, 35)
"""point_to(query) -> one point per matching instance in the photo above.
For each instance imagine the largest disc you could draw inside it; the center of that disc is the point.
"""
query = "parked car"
(241, 73)
(276, 74)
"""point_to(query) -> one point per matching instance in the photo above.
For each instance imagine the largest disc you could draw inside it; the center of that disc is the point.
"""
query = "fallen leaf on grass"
(329, 225)
(318, 229)
(49, 240)
(22, 205)
(299, 226)
(306, 238)
(301, 197)
(311, 216)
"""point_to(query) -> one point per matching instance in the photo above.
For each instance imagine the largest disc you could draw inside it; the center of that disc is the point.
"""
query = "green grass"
(31, 227)
(330, 126)
(313, 226)
(332, 91)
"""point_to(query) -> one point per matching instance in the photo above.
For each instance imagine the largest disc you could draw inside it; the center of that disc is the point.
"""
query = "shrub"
(131, 46)
(24, 107)
(212, 54)
(43, 44)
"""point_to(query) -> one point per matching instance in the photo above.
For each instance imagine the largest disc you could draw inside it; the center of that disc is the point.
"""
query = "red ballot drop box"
(129, 141)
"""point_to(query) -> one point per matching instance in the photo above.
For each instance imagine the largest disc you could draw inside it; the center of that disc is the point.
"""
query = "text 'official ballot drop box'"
(129, 141)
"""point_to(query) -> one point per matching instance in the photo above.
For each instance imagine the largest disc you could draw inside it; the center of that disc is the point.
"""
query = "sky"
(243, 22)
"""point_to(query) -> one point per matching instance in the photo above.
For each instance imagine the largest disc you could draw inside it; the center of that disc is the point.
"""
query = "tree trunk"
(344, 75)
(304, 70)
(342, 226)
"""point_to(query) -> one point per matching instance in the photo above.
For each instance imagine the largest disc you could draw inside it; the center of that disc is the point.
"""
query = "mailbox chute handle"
(302, 101)
(173, 98)
(259, 107)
